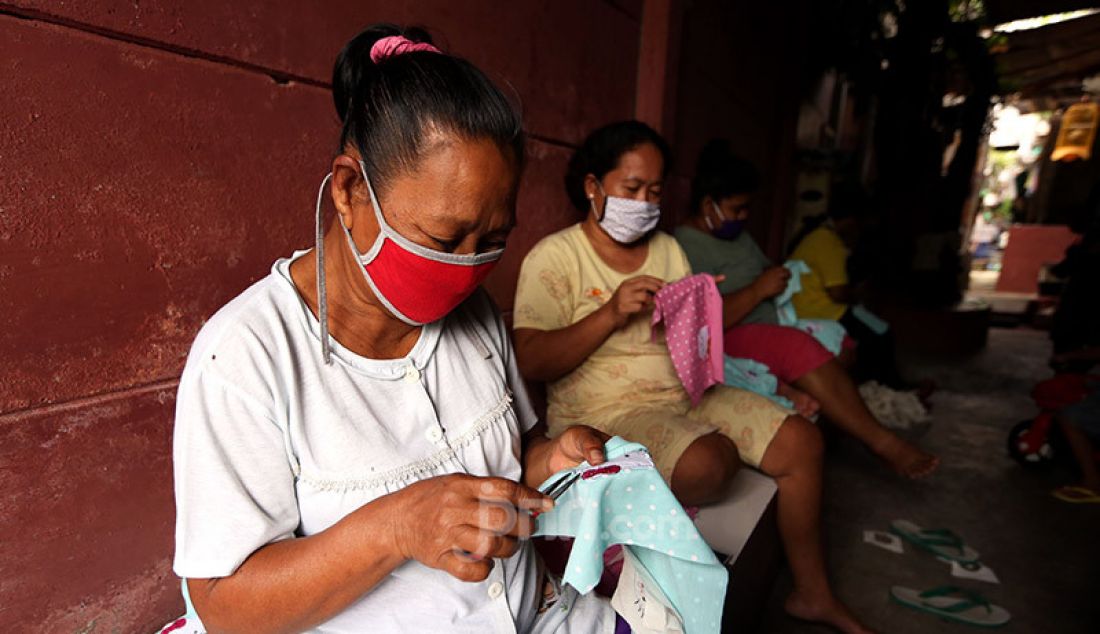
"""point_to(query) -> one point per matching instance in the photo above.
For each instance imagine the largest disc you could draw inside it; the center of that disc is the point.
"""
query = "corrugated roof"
(999, 11)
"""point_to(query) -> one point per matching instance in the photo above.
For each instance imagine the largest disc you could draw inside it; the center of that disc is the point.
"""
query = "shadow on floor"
(1046, 552)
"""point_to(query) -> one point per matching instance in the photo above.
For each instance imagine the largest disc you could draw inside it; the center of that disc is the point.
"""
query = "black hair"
(389, 107)
(846, 200)
(601, 151)
(719, 173)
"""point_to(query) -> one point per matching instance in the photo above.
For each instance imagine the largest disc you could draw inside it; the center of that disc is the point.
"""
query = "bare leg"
(841, 402)
(794, 458)
(703, 473)
(847, 358)
(1082, 450)
(804, 404)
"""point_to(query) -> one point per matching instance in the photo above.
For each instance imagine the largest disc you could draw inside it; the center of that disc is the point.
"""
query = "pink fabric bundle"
(692, 311)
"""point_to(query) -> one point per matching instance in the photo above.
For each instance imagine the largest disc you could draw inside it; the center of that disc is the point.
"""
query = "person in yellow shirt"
(824, 292)
(827, 293)
(582, 317)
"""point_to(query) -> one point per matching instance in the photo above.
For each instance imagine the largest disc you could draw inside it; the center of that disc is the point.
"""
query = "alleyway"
(1045, 552)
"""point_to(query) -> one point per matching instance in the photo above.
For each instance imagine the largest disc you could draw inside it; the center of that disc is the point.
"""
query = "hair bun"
(354, 64)
(395, 45)
(388, 107)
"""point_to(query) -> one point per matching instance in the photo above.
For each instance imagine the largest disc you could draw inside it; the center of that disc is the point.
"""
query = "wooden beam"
(653, 63)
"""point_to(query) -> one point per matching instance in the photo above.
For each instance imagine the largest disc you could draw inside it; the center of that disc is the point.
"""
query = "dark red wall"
(155, 158)
(740, 77)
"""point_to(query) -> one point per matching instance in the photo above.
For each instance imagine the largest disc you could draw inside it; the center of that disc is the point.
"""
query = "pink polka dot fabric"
(692, 313)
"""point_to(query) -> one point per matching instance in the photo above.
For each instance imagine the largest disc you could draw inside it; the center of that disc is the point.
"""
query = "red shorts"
(788, 352)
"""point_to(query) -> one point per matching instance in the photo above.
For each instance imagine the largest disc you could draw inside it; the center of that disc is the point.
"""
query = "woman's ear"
(592, 191)
(705, 205)
(589, 186)
(346, 177)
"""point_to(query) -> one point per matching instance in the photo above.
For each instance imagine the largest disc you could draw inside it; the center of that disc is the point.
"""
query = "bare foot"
(827, 610)
(907, 459)
(804, 404)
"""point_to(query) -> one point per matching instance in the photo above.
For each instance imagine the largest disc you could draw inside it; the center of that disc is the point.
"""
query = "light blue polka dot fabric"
(625, 501)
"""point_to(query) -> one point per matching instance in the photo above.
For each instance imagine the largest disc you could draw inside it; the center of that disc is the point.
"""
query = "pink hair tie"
(397, 45)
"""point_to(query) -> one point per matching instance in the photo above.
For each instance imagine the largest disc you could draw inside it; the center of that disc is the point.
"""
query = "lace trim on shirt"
(426, 465)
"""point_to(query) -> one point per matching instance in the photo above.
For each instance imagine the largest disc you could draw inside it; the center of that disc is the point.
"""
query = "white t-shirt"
(271, 444)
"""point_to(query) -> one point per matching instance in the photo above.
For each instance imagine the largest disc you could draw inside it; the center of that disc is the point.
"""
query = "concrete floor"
(1046, 552)
(983, 286)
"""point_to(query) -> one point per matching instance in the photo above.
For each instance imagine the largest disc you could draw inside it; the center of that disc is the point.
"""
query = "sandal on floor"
(938, 541)
(953, 604)
(1076, 495)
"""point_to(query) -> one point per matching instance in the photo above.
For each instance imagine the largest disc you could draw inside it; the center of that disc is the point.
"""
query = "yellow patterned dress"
(628, 386)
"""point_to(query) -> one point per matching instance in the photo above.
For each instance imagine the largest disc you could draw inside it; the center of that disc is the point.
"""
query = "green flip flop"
(953, 604)
(938, 541)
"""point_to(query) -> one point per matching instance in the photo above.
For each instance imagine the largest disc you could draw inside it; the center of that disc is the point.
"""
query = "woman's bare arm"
(295, 584)
(547, 355)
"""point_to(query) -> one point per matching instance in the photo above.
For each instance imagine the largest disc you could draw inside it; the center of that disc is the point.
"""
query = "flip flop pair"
(938, 541)
(1076, 495)
(953, 604)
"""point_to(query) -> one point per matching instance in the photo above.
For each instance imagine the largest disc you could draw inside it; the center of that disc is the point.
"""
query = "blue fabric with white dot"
(634, 507)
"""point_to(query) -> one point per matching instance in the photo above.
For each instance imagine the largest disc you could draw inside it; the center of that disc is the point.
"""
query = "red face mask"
(417, 284)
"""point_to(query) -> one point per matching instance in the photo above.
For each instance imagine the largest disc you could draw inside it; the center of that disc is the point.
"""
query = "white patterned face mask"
(626, 220)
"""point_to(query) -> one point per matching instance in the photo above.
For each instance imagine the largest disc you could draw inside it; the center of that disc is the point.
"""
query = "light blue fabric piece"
(869, 319)
(828, 333)
(634, 507)
(187, 600)
(755, 377)
(192, 624)
(784, 308)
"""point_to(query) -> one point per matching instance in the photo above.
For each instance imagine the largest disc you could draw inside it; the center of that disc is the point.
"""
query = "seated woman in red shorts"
(714, 243)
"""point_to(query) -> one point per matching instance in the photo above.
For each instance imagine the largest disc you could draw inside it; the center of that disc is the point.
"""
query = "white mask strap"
(592, 202)
(322, 295)
(717, 212)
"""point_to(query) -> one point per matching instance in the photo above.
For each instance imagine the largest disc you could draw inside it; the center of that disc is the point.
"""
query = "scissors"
(554, 491)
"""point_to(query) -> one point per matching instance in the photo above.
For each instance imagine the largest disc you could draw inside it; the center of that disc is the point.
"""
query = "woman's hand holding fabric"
(772, 282)
(459, 523)
(632, 297)
(546, 456)
(575, 445)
